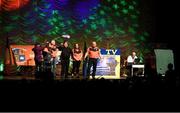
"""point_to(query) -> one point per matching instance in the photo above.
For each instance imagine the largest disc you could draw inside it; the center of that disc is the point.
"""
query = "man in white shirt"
(130, 61)
(131, 58)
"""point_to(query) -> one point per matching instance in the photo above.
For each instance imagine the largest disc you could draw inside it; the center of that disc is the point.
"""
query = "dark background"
(161, 19)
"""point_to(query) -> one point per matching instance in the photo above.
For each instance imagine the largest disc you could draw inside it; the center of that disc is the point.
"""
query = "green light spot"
(91, 18)
(108, 33)
(87, 31)
(102, 12)
(146, 34)
(15, 17)
(84, 21)
(36, 9)
(138, 12)
(54, 20)
(1, 77)
(41, 14)
(69, 22)
(93, 26)
(133, 40)
(53, 33)
(131, 30)
(62, 25)
(115, 6)
(142, 38)
(48, 6)
(57, 28)
(71, 31)
(103, 22)
(34, 38)
(137, 44)
(131, 7)
(117, 14)
(126, 44)
(119, 30)
(125, 11)
(54, 12)
(60, 17)
(1, 67)
(135, 25)
(8, 28)
(98, 38)
(134, 2)
(123, 3)
(133, 16)
(51, 23)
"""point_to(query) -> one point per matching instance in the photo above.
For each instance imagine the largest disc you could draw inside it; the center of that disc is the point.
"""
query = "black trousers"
(38, 65)
(38, 69)
(64, 67)
(92, 62)
(76, 65)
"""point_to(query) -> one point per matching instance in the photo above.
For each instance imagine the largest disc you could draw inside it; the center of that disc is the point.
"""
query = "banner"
(23, 55)
(109, 66)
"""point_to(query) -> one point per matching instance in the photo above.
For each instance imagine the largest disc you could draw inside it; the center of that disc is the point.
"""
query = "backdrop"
(112, 23)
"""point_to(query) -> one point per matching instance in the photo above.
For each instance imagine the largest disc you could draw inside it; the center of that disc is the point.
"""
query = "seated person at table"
(132, 58)
(130, 61)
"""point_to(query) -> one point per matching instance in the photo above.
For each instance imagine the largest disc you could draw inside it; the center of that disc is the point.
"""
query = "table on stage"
(137, 66)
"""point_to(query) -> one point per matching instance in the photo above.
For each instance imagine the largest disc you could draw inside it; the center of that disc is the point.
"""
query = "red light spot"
(9, 5)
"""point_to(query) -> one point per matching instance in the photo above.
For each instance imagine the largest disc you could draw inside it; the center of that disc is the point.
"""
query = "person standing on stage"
(38, 56)
(94, 54)
(77, 57)
(65, 59)
(61, 46)
(53, 50)
(47, 57)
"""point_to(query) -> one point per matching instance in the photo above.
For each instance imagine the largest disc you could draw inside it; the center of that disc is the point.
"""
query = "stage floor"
(32, 77)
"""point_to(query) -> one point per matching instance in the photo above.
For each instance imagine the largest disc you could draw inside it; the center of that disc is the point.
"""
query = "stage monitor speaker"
(163, 58)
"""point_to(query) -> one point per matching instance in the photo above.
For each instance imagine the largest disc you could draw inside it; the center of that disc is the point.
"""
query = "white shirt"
(130, 59)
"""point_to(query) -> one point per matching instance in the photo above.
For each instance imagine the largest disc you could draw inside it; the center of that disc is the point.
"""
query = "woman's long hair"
(78, 46)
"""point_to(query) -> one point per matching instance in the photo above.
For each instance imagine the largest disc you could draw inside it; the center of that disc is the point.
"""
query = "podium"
(137, 66)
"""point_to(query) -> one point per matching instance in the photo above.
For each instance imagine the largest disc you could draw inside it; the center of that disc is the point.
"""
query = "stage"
(32, 77)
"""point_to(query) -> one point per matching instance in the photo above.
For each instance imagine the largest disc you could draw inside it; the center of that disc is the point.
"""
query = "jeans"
(53, 66)
(92, 62)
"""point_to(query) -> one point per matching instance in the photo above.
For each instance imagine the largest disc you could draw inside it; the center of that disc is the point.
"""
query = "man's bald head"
(133, 53)
(94, 44)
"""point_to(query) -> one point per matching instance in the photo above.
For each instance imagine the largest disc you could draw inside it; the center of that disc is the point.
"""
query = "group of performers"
(47, 57)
